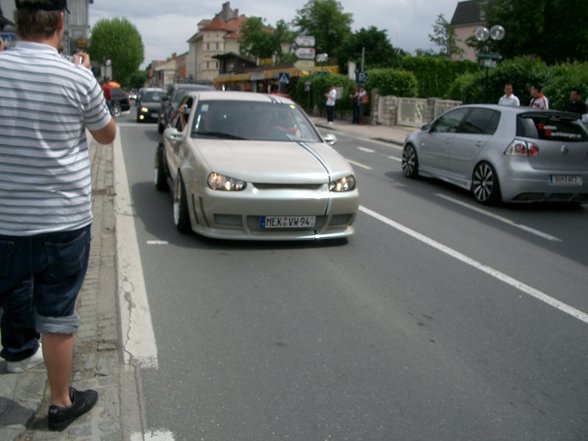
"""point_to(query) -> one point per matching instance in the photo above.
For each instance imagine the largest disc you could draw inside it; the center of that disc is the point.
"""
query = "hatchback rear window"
(550, 128)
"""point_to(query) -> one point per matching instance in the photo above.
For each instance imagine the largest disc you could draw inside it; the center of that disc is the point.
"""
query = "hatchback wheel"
(410, 162)
(485, 184)
(181, 214)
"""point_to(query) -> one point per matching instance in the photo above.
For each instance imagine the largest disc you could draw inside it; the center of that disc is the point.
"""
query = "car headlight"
(144, 110)
(346, 183)
(224, 183)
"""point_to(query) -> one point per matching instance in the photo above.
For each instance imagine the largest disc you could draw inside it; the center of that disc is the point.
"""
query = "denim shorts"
(52, 268)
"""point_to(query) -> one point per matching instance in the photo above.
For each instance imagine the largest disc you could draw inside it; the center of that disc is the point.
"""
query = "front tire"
(485, 184)
(160, 174)
(180, 207)
(410, 162)
(116, 109)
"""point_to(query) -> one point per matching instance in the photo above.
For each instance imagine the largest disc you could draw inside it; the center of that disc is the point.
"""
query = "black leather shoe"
(82, 402)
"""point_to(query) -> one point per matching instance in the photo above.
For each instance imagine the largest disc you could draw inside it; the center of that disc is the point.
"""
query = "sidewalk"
(98, 362)
(24, 398)
(391, 134)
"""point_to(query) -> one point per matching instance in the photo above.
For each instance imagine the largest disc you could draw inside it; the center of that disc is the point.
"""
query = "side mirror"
(330, 139)
(425, 127)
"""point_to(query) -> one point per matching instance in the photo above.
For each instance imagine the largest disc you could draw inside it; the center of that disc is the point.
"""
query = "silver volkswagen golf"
(509, 154)
(253, 166)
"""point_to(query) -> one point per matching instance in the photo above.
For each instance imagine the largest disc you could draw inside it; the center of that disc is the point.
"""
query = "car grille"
(311, 187)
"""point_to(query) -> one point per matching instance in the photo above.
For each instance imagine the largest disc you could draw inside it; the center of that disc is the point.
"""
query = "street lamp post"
(487, 58)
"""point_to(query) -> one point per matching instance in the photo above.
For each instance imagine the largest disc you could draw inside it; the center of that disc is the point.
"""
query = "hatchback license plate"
(565, 180)
(287, 221)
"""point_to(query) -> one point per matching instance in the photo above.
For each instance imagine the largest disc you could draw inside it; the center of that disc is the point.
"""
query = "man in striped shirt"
(46, 105)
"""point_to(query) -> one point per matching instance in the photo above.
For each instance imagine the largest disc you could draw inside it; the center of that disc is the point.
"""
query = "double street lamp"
(487, 58)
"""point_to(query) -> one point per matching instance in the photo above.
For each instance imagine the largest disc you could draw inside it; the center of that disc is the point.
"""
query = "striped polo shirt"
(46, 103)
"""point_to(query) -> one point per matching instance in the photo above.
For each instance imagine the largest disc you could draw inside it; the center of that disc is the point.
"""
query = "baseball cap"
(43, 5)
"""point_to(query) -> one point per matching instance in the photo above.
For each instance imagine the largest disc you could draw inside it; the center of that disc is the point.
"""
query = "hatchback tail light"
(520, 147)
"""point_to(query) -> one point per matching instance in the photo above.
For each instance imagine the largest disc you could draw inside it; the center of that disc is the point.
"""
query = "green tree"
(379, 52)
(326, 22)
(118, 40)
(256, 39)
(444, 36)
(553, 30)
(260, 40)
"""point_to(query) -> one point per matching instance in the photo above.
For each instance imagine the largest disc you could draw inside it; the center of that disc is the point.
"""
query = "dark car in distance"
(120, 101)
(170, 102)
(148, 103)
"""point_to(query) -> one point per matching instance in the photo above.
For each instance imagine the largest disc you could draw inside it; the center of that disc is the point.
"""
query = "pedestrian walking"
(47, 104)
(509, 98)
(364, 101)
(331, 100)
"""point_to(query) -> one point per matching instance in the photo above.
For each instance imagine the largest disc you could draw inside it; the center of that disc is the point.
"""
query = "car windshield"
(550, 128)
(252, 121)
(152, 95)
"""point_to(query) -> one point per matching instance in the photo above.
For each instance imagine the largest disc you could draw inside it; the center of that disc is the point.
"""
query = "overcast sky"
(165, 26)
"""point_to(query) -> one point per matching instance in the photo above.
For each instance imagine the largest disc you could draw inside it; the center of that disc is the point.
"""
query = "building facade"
(214, 37)
(467, 17)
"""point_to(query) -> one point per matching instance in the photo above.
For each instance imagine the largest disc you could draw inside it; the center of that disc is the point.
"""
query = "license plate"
(267, 222)
(565, 180)
(154, 115)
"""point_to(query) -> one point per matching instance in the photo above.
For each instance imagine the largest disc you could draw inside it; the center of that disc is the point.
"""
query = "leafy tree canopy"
(326, 21)
(379, 52)
(444, 36)
(261, 41)
(553, 30)
(118, 40)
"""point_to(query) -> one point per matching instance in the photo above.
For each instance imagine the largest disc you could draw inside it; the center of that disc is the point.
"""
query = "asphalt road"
(439, 320)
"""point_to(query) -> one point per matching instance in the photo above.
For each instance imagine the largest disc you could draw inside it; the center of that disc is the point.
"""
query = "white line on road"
(359, 164)
(137, 329)
(395, 158)
(576, 313)
(158, 435)
(500, 218)
(365, 149)
(157, 242)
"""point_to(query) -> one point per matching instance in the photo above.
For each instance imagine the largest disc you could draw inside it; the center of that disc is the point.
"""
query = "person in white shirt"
(509, 98)
(331, 100)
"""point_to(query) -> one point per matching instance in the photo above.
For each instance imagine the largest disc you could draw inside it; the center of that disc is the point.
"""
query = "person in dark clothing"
(575, 104)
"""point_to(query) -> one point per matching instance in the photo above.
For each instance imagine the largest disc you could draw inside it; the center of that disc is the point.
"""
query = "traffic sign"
(304, 64)
(283, 78)
(305, 41)
(362, 77)
(305, 53)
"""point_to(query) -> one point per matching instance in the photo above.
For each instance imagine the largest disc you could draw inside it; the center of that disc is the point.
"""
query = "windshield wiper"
(221, 135)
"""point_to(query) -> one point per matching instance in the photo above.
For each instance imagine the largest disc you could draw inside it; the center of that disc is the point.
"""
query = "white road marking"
(576, 313)
(365, 149)
(395, 158)
(137, 329)
(500, 218)
(359, 164)
(157, 242)
(158, 435)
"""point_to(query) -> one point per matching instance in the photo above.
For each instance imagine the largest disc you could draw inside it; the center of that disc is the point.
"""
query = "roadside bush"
(435, 74)
(521, 72)
(320, 85)
(392, 82)
(566, 77)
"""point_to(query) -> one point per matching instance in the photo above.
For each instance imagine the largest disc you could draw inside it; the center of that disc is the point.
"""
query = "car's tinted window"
(480, 121)
(449, 122)
(152, 96)
(550, 128)
(252, 120)
(179, 92)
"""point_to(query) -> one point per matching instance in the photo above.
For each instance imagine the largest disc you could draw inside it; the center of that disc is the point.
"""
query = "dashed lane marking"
(526, 289)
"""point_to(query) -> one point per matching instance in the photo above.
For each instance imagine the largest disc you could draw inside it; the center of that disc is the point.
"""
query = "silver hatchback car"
(509, 154)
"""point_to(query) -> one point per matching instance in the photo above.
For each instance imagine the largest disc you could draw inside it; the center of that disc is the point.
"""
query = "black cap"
(44, 5)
